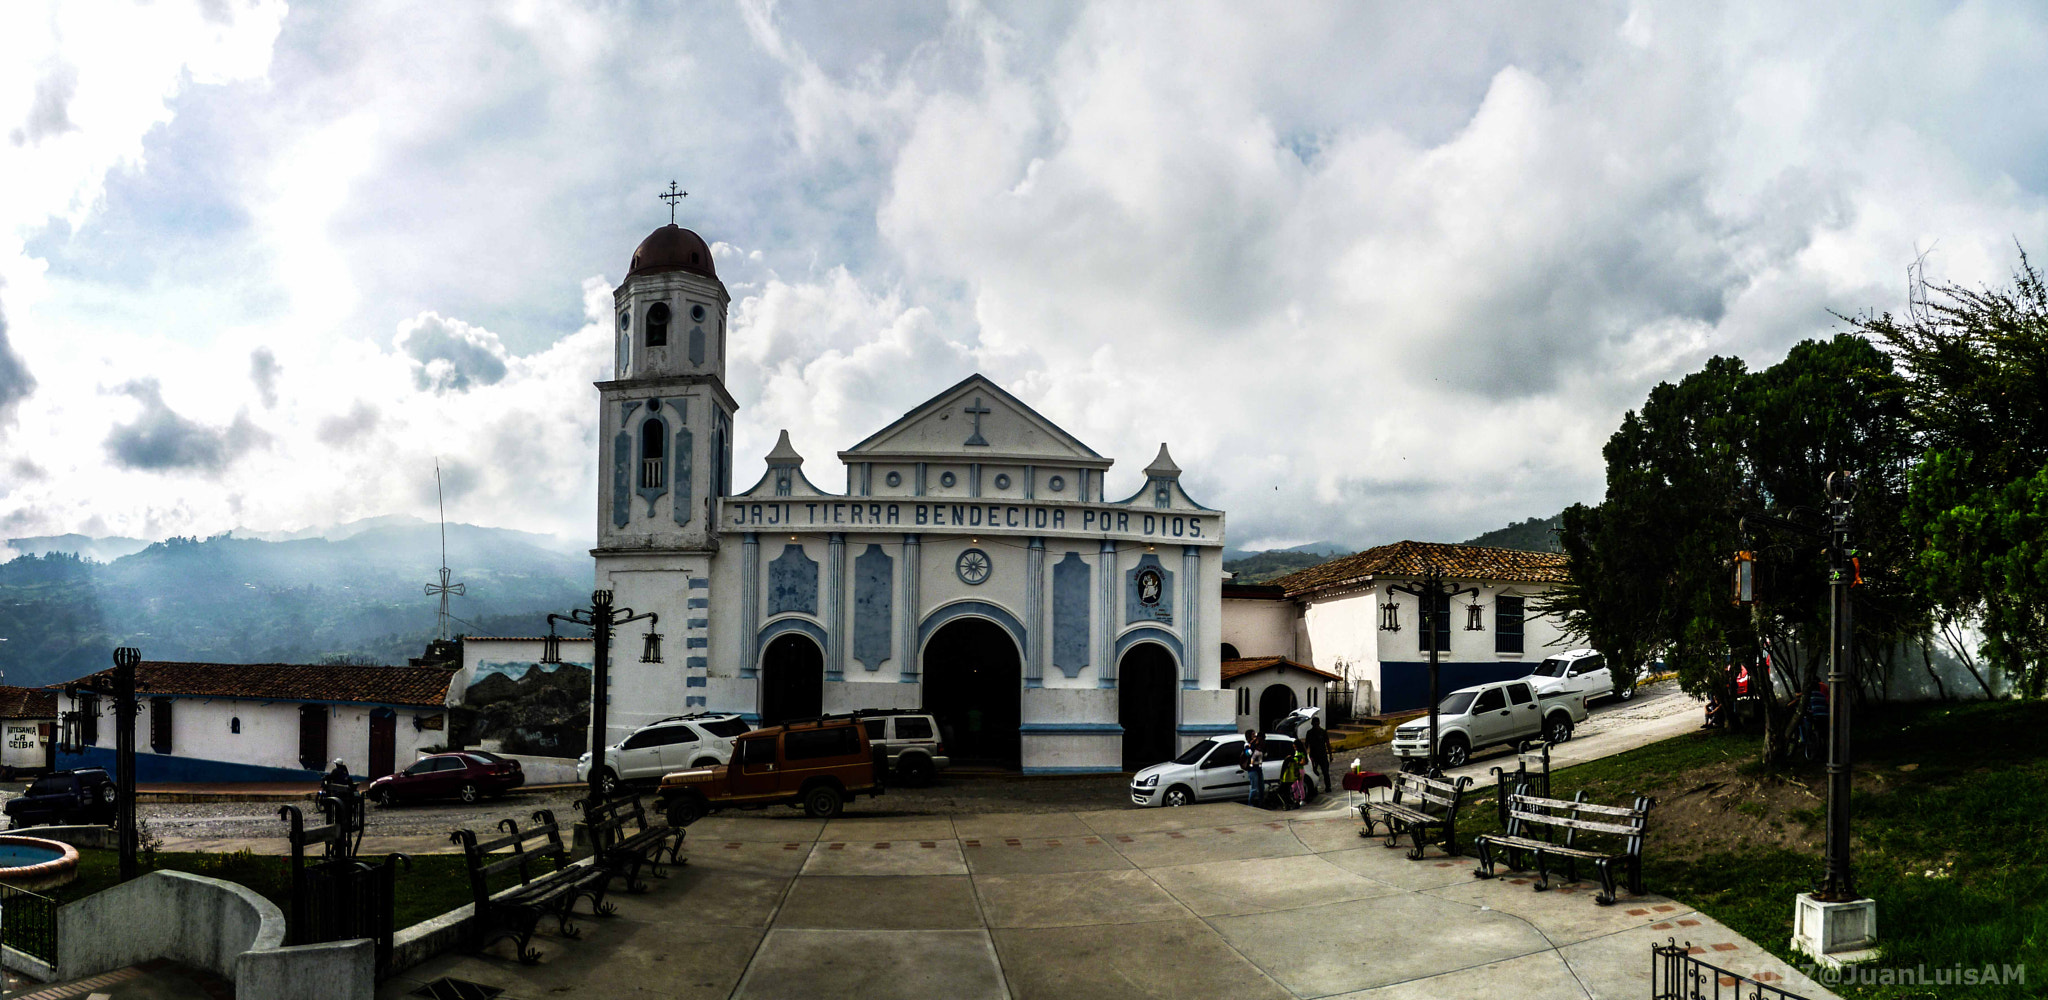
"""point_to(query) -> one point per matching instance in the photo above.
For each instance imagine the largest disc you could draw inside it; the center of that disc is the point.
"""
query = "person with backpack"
(1290, 778)
(1253, 764)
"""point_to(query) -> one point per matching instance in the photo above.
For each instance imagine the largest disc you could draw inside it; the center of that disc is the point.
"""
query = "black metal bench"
(1524, 779)
(623, 841)
(1420, 804)
(1621, 826)
(554, 891)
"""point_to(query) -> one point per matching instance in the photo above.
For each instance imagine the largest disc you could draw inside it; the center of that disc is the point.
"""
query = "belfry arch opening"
(792, 679)
(1147, 688)
(973, 685)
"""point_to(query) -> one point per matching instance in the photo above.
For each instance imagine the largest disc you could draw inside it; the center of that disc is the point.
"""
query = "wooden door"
(383, 742)
(313, 737)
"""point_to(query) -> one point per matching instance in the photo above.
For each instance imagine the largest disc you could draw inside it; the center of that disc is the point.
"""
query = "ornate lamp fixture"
(650, 652)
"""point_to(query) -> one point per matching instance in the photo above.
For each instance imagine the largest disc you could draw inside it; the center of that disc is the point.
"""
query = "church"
(974, 567)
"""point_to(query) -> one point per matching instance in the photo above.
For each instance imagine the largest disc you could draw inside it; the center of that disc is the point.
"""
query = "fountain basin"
(35, 864)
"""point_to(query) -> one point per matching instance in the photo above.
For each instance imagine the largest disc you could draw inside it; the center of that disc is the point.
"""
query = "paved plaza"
(1216, 900)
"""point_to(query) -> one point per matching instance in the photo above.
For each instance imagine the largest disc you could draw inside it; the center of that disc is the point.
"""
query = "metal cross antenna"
(444, 588)
(672, 196)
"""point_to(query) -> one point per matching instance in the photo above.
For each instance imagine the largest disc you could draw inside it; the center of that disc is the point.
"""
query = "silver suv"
(911, 740)
(672, 744)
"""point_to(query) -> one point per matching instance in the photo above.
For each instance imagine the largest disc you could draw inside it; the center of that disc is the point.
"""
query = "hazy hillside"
(1259, 567)
(1536, 534)
(237, 599)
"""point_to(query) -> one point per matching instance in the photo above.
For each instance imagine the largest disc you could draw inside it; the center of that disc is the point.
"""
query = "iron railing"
(28, 923)
(1676, 975)
(338, 896)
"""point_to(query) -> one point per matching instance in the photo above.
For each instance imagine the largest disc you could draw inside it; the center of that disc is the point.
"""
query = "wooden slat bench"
(1533, 822)
(551, 890)
(623, 841)
(1420, 804)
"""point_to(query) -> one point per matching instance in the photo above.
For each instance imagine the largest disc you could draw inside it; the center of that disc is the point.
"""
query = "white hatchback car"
(1208, 771)
(672, 744)
(1578, 671)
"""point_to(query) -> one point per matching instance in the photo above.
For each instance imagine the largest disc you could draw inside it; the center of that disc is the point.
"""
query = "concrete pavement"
(1215, 900)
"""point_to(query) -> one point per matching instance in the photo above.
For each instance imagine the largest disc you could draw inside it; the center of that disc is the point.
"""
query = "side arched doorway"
(792, 679)
(974, 685)
(1146, 691)
(1274, 704)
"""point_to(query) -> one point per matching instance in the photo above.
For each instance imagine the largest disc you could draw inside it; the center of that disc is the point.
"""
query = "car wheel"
(107, 794)
(608, 780)
(1456, 750)
(1558, 729)
(1627, 693)
(684, 810)
(469, 792)
(822, 802)
(918, 771)
(1177, 796)
(382, 797)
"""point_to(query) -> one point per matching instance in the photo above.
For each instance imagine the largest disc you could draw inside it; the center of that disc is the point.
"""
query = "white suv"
(1578, 671)
(672, 744)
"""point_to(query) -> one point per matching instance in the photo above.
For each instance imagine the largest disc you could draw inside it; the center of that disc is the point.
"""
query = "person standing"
(1253, 764)
(1290, 777)
(1319, 749)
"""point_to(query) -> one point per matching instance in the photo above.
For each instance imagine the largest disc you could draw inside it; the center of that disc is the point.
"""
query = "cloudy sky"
(1373, 271)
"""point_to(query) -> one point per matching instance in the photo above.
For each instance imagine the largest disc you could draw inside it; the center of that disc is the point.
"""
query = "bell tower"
(665, 420)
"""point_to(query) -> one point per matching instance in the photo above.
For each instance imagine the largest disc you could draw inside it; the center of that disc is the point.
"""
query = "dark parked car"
(82, 796)
(469, 775)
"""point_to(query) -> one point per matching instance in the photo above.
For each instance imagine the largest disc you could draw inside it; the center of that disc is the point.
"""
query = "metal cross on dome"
(672, 195)
(978, 409)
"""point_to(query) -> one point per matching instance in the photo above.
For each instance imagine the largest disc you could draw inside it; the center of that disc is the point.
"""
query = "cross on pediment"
(977, 409)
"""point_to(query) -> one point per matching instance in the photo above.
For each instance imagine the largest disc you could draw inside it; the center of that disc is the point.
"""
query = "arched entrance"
(1145, 680)
(1274, 704)
(973, 684)
(792, 679)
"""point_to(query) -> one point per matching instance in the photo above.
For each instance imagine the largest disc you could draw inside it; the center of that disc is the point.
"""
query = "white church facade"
(974, 566)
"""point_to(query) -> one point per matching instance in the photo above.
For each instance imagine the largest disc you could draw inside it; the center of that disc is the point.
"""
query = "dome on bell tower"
(672, 248)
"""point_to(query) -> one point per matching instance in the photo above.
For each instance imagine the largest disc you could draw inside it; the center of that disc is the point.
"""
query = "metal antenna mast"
(444, 588)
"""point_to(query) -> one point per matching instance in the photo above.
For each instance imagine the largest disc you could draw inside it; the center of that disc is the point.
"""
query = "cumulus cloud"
(15, 381)
(50, 114)
(347, 428)
(263, 370)
(449, 355)
(160, 440)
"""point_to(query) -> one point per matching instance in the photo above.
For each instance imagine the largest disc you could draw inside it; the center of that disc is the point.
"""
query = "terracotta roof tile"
(291, 682)
(1403, 560)
(1233, 669)
(27, 703)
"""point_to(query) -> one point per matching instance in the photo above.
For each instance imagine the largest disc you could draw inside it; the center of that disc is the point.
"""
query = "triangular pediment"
(977, 420)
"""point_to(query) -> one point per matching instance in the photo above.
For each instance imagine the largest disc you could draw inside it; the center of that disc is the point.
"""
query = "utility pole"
(600, 618)
(1434, 594)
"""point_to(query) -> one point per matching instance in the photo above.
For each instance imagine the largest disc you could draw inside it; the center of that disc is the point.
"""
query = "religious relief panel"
(1148, 592)
(873, 584)
(685, 454)
(793, 582)
(1070, 614)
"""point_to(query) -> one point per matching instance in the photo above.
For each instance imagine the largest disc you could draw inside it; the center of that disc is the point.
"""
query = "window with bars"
(653, 455)
(1507, 624)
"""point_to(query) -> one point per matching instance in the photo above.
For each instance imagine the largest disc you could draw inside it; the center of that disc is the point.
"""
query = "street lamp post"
(1434, 594)
(121, 688)
(601, 618)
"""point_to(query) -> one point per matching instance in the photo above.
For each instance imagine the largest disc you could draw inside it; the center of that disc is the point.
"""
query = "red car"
(469, 775)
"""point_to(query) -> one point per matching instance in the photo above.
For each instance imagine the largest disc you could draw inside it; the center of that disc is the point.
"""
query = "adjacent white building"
(224, 722)
(974, 565)
(1343, 617)
(28, 721)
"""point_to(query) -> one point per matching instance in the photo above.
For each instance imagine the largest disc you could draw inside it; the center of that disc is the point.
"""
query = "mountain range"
(354, 591)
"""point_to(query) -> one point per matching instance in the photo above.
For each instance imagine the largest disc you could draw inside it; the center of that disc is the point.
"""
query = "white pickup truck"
(1484, 715)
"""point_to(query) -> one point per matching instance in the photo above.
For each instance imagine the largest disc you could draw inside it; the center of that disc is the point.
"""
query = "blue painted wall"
(152, 768)
(1070, 614)
(1405, 686)
(685, 461)
(793, 582)
(874, 579)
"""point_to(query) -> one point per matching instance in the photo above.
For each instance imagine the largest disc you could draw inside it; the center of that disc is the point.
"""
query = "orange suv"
(817, 764)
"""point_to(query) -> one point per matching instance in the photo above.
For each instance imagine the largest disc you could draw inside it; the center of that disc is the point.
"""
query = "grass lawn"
(1949, 811)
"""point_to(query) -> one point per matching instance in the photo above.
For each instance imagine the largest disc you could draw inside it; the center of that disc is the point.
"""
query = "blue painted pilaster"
(1034, 613)
(1191, 617)
(1106, 618)
(750, 603)
(913, 606)
(835, 606)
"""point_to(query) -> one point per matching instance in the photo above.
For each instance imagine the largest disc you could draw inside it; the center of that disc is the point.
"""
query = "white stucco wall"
(23, 743)
(203, 729)
(1310, 691)
(1260, 627)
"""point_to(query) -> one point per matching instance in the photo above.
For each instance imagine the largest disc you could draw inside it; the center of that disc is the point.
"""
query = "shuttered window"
(160, 725)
